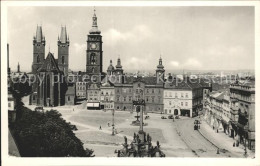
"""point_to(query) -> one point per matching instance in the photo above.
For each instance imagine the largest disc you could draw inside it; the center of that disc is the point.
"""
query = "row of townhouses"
(233, 111)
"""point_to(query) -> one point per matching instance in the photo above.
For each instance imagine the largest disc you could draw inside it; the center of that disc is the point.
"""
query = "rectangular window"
(186, 103)
(181, 94)
(170, 103)
(130, 98)
(147, 91)
(186, 95)
(152, 99)
(9, 104)
(152, 90)
(130, 90)
(124, 98)
(124, 90)
(181, 103)
(118, 98)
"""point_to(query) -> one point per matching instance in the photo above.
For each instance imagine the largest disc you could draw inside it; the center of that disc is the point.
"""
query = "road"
(196, 142)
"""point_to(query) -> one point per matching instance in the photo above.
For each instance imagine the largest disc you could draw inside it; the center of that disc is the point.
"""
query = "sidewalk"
(223, 141)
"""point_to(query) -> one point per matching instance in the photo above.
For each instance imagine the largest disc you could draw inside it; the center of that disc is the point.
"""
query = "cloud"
(79, 47)
(138, 63)
(137, 34)
(192, 63)
(174, 63)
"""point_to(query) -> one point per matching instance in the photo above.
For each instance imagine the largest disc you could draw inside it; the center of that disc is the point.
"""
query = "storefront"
(93, 106)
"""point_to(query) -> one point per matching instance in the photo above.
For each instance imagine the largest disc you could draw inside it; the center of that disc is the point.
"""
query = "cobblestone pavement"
(177, 139)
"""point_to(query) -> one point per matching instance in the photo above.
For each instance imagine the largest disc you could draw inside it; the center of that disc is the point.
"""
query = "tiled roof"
(49, 64)
(204, 82)
(194, 83)
(177, 85)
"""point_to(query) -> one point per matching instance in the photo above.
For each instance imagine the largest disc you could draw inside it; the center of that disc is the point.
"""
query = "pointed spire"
(118, 65)
(110, 67)
(94, 29)
(18, 68)
(160, 65)
(8, 67)
(63, 35)
(39, 36)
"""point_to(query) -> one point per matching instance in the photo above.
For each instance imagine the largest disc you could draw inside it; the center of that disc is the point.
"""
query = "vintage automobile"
(170, 117)
(39, 109)
(163, 117)
(177, 117)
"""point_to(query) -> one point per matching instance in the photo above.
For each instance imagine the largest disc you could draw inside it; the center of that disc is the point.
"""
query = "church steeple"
(94, 29)
(18, 68)
(38, 49)
(39, 37)
(63, 35)
(110, 68)
(63, 50)
(118, 65)
(160, 71)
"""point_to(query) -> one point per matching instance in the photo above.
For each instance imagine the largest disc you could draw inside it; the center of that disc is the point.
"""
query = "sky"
(191, 38)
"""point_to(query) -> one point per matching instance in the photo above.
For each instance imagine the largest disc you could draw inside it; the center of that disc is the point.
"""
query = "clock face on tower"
(93, 46)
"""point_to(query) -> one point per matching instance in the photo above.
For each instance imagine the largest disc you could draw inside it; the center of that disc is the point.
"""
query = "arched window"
(93, 59)
(38, 59)
(62, 60)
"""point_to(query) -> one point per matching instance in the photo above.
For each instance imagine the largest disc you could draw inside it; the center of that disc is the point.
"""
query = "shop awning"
(96, 105)
(90, 104)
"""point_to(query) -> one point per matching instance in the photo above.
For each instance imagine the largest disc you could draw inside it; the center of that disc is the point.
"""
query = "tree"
(40, 134)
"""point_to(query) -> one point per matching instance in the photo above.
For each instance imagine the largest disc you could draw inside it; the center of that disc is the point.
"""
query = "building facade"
(242, 96)
(107, 96)
(52, 88)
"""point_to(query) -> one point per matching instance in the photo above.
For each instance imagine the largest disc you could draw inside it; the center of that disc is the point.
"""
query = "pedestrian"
(100, 128)
(213, 128)
(73, 109)
(108, 124)
(217, 130)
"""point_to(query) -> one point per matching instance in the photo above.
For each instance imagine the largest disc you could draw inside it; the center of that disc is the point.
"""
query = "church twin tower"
(94, 50)
(39, 50)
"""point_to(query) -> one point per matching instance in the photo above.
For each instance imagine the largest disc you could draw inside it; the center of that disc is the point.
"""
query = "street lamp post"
(113, 122)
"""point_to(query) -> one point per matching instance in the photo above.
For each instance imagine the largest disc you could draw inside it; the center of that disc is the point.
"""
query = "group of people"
(108, 124)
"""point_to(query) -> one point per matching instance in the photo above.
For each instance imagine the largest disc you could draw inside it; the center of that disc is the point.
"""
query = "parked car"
(170, 117)
(163, 117)
(177, 117)
(38, 109)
